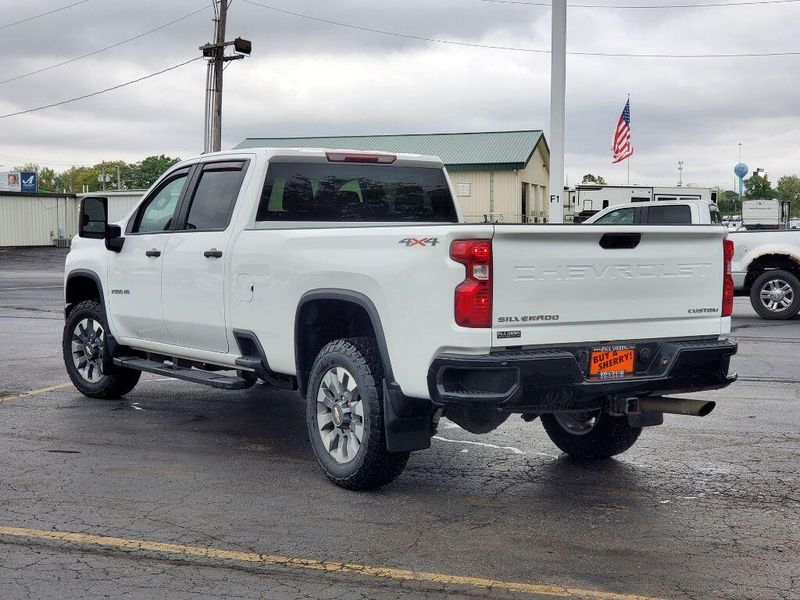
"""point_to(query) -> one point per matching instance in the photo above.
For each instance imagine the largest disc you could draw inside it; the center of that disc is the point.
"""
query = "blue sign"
(28, 182)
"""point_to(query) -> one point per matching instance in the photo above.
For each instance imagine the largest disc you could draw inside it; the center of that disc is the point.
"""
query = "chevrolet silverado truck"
(350, 277)
(765, 264)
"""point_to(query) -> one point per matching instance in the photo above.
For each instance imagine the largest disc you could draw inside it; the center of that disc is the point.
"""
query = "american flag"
(621, 142)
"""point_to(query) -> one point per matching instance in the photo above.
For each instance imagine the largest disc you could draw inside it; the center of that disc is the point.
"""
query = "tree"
(589, 178)
(726, 202)
(75, 180)
(788, 188)
(48, 180)
(143, 174)
(758, 187)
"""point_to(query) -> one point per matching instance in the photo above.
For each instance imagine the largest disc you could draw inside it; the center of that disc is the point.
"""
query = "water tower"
(740, 170)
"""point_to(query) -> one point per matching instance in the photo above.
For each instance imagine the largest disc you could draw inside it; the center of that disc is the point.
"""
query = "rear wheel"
(590, 435)
(86, 355)
(344, 415)
(775, 295)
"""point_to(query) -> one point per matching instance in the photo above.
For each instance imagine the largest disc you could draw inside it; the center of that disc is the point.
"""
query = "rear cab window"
(669, 215)
(336, 192)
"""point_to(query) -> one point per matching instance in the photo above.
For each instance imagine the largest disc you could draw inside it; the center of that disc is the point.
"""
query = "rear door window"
(356, 193)
(669, 215)
(214, 196)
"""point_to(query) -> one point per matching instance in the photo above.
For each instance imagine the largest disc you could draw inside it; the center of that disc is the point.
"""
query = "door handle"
(213, 253)
(153, 253)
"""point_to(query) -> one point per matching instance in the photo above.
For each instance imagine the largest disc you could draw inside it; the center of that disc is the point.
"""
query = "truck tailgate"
(558, 284)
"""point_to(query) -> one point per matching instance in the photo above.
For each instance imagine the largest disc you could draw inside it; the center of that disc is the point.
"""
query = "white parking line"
(510, 449)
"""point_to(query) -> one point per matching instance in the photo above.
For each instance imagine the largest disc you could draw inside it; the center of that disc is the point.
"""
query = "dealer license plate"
(611, 362)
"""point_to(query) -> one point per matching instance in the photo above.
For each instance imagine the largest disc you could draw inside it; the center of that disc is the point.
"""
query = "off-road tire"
(610, 436)
(373, 466)
(113, 384)
(755, 295)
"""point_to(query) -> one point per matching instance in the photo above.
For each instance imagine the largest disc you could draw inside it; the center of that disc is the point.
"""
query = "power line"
(77, 58)
(31, 159)
(97, 93)
(44, 14)
(392, 33)
(649, 6)
(515, 48)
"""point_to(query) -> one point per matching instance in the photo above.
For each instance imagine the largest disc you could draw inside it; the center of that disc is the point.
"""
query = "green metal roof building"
(500, 175)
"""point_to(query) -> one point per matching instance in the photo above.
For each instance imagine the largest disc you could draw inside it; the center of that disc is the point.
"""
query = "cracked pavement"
(698, 508)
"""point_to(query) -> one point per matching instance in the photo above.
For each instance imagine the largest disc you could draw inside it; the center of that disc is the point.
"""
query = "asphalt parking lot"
(180, 491)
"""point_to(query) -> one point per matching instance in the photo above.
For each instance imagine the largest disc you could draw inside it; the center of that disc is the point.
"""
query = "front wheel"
(590, 435)
(775, 295)
(345, 416)
(86, 353)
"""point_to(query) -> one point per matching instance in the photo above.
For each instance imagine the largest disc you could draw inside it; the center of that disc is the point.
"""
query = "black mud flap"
(407, 421)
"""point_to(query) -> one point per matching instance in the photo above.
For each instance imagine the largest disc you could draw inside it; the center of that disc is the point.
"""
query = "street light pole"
(558, 84)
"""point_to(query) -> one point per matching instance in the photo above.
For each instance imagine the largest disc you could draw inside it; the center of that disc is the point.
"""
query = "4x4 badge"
(419, 241)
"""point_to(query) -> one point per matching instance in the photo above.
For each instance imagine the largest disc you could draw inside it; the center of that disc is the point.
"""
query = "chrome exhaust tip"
(677, 406)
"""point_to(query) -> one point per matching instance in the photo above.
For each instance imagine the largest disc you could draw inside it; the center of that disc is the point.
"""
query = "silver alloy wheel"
(776, 295)
(88, 339)
(578, 423)
(340, 414)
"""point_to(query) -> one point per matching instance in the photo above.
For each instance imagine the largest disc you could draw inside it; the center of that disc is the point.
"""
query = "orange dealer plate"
(610, 362)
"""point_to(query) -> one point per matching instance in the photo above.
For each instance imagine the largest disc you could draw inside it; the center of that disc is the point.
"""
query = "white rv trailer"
(765, 214)
(592, 197)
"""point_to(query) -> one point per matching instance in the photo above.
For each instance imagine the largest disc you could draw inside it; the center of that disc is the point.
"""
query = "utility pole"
(215, 52)
(219, 63)
(680, 173)
(558, 84)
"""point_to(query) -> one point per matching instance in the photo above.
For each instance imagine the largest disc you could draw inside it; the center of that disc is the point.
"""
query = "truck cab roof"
(344, 155)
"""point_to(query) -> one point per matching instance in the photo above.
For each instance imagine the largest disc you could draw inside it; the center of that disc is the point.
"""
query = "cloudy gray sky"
(307, 77)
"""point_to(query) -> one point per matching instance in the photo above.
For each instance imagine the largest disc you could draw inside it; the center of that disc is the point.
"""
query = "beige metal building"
(45, 219)
(36, 219)
(497, 175)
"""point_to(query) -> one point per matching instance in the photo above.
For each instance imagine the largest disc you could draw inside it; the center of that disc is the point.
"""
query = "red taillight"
(727, 279)
(358, 157)
(473, 298)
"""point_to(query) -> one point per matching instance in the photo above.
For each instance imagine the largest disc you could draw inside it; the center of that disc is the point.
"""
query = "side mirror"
(114, 239)
(93, 218)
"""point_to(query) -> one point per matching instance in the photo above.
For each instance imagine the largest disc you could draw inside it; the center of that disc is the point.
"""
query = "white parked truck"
(766, 263)
(351, 277)
(676, 212)
(766, 267)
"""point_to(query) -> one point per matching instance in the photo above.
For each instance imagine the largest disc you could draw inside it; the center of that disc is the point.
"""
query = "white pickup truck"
(351, 277)
(766, 263)
(766, 267)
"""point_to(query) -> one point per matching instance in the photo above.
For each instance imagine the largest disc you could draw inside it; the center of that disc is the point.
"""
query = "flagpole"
(628, 161)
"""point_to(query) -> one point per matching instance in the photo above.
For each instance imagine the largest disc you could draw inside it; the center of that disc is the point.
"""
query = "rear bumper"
(557, 379)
